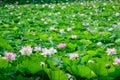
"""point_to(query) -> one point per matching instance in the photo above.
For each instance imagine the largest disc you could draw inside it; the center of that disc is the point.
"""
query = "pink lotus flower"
(116, 61)
(73, 55)
(10, 56)
(111, 51)
(44, 50)
(26, 50)
(52, 50)
(49, 51)
(37, 48)
(61, 45)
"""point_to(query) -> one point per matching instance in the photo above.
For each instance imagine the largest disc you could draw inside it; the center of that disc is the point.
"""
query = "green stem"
(42, 74)
(107, 74)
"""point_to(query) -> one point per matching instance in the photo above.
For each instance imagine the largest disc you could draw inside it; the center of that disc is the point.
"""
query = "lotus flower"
(48, 52)
(61, 30)
(61, 45)
(37, 48)
(111, 51)
(99, 43)
(9, 56)
(69, 29)
(26, 50)
(73, 55)
(73, 36)
(117, 61)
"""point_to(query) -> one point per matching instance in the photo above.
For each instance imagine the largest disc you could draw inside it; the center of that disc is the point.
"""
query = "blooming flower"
(49, 51)
(111, 51)
(117, 14)
(69, 29)
(52, 50)
(52, 28)
(44, 50)
(73, 36)
(9, 56)
(26, 50)
(99, 43)
(37, 48)
(116, 61)
(61, 45)
(73, 55)
(61, 30)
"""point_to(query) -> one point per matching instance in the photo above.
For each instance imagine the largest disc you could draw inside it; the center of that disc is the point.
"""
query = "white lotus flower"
(26, 50)
(69, 29)
(61, 30)
(99, 43)
(73, 55)
(111, 51)
(73, 36)
(48, 52)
